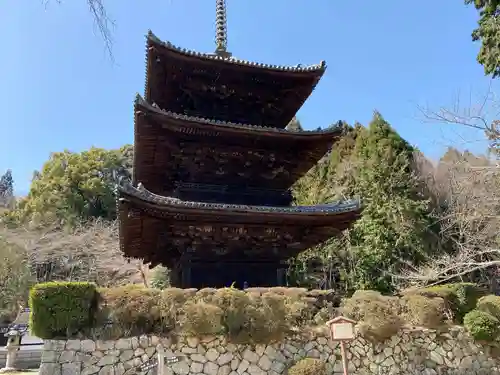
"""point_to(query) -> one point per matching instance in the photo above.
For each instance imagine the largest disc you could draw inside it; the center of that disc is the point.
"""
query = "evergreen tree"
(392, 230)
(73, 187)
(375, 164)
(488, 33)
(6, 188)
(294, 125)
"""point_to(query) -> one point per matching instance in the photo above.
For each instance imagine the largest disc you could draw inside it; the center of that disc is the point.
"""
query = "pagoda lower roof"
(227, 89)
(141, 194)
(171, 148)
(161, 229)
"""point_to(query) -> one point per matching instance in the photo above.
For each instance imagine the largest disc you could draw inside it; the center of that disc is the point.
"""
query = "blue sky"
(61, 91)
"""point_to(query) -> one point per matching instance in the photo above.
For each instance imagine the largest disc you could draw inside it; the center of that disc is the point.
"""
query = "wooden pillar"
(186, 271)
(280, 274)
(282, 268)
(175, 279)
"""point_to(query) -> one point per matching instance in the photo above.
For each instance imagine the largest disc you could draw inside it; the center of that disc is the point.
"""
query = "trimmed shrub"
(267, 319)
(201, 318)
(62, 309)
(257, 316)
(490, 304)
(459, 298)
(310, 305)
(301, 311)
(206, 294)
(481, 325)
(308, 366)
(233, 303)
(422, 311)
(377, 315)
(170, 302)
(132, 309)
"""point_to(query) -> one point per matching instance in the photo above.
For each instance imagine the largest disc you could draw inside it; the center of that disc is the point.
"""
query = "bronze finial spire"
(221, 29)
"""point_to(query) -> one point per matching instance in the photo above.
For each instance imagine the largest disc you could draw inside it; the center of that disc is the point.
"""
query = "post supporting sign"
(163, 360)
(342, 330)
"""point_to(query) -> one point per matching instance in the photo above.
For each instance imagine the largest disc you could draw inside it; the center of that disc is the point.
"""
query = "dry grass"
(308, 366)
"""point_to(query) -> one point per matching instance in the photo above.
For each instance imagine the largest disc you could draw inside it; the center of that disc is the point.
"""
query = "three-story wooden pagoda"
(214, 164)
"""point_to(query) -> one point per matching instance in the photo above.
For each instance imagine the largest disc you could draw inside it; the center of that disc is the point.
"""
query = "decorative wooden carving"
(249, 158)
(164, 235)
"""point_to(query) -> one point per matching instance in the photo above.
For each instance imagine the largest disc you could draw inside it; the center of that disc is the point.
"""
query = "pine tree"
(294, 125)
(392, 230)
(375, 164)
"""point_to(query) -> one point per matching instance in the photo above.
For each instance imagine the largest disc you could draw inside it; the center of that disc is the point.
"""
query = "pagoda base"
(220, 274)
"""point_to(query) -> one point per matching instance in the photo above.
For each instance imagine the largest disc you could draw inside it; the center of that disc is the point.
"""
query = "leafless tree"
(466, 192)
(482, 114)
(14, 279)
(88, 253)
(468, 196)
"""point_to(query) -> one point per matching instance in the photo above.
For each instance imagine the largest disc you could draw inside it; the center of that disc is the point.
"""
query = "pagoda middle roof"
(227, 89)
(169, 147)
(142, 104)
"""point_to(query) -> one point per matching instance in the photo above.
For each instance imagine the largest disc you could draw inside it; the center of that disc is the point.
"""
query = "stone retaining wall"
(410, 352)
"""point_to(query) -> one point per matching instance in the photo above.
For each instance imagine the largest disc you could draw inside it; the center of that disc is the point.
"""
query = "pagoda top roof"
(225, 88)
(232, 60)
(126, 188)
(141, 103)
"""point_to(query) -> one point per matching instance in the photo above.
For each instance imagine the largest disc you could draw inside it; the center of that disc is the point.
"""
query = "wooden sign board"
(342, 329)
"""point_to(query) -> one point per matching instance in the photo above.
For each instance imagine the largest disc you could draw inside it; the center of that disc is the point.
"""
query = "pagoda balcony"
(226, 89)
(170, 148)
(165, 230)
(210, 193)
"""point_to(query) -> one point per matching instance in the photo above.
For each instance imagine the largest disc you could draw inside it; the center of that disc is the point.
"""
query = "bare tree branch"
(469, 193)
(482, 115)
(102, 21)
(89, 253)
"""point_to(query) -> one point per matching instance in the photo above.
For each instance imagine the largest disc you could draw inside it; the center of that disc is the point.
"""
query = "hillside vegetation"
(423, 222)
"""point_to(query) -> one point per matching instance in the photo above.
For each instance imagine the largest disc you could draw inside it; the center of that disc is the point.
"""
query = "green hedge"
(481, 325)
(378, 315)
(253, 316)
(490, 304)
(257, 315)
(62, 309)
(437, 307)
